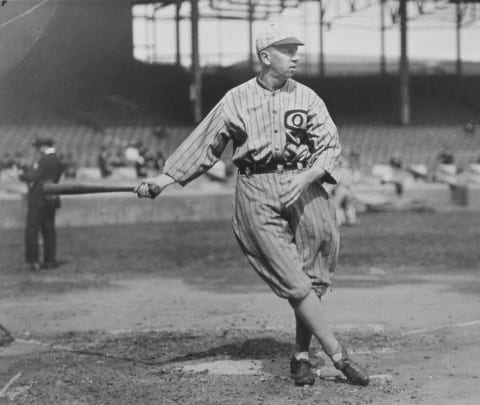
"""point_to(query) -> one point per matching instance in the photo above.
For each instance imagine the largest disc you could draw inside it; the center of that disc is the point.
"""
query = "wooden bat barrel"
(82, 188)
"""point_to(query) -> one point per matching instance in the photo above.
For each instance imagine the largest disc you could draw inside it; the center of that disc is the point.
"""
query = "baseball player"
(285, 146)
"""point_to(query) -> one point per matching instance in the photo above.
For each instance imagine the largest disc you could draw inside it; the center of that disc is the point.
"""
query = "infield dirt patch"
(151, 315)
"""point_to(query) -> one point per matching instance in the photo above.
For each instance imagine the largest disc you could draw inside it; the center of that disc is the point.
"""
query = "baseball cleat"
(354, 372)
(302, 371)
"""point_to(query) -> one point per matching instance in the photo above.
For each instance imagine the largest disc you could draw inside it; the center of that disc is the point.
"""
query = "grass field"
(386, 252)
(206, 253)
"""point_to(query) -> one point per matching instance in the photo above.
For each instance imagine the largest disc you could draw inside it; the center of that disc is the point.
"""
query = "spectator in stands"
(132, 152)
(159, 131)
(398, 174)
(117, 158)
(446, 156)
(159, 161)
(12, 165)
(469, 127)
(354, 161)
(141, 168)
(135, 154)
(4, 163)
(20, 161)
(104, 162)
(445, 170)
(154, 163)
(396, 162)
(7, 162)
(70, 165)
(41, 208)
(343, 195)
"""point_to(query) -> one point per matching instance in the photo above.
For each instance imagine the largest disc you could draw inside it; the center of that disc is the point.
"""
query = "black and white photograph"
(239, 202)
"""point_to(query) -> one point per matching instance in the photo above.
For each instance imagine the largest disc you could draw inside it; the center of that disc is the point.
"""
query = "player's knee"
(296, 296)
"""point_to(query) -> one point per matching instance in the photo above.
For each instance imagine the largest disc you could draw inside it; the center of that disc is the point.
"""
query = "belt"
(271, 168)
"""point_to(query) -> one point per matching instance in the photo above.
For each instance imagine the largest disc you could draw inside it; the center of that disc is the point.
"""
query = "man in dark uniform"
(41, 207)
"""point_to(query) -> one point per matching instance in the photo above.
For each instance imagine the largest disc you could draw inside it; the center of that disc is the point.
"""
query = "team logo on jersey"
(296, 148)
(296, 120)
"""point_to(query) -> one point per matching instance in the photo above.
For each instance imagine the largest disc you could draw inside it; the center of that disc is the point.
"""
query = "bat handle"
(154, 190)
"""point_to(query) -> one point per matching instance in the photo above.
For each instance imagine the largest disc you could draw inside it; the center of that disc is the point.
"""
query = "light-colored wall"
(111, 209)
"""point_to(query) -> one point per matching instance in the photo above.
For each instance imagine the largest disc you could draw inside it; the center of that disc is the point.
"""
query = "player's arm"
(199, 152)
(202, 148)
(323, 135)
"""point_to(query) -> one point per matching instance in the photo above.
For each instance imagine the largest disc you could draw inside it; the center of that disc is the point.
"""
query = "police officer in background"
(41, 208)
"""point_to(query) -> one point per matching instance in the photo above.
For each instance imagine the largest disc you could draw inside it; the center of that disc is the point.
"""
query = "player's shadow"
(274, 353)
(256, 348)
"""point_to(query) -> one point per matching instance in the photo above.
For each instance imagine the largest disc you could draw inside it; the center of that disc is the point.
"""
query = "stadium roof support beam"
(404, 67)
(196, 88)
(251, 18)
(383, 67)
(460, 12)
(458, 29)
(458, 21)
(321, 60)
(178, 6)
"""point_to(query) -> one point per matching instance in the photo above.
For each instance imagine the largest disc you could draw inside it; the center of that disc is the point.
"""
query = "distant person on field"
(104, 162)
(41, 207)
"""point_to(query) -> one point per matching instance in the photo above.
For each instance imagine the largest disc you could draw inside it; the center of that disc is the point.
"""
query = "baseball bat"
(83, 188)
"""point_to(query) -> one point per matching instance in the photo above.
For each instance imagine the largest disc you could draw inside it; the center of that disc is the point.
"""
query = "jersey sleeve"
(323, 134)
(202, 148)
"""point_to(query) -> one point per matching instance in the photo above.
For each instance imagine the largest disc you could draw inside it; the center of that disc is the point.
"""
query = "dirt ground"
(173, 314)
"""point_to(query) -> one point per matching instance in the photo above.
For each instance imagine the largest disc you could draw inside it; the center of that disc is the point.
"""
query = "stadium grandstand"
(104, 72)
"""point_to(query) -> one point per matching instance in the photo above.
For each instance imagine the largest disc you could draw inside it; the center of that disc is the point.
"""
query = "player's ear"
(264, 57)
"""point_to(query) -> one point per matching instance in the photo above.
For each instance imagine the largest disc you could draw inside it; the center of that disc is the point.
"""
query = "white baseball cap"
(275, 34)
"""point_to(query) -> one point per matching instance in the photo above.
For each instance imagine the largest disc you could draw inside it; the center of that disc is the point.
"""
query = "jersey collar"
(269, 90)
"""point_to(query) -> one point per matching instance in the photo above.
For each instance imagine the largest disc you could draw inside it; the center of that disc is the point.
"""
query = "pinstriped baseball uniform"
(293, 249)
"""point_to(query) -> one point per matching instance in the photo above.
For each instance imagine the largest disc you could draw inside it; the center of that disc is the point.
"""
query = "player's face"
(284, 59)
